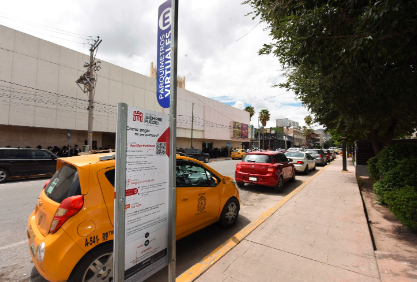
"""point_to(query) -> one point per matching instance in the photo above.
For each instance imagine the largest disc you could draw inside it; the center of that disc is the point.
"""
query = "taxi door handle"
(184, 199)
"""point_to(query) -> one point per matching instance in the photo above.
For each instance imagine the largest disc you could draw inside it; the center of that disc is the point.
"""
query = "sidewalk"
(321, 234)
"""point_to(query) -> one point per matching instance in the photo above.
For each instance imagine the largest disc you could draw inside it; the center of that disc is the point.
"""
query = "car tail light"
(271, 169)
(300, 162)
(46, 184)
(69, 207)
(320, 156)
(238, 166)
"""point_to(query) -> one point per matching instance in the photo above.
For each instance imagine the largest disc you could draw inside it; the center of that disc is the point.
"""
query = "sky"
(218, 45)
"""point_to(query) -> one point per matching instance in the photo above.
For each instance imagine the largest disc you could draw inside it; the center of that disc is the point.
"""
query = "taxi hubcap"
(231, 213)
(100, 269)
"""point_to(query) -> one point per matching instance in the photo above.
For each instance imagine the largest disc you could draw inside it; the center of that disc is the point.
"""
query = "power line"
(248, 32)
(45, 26)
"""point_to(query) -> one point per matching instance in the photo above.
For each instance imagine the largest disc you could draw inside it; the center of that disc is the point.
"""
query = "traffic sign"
(228, 144)
(69, 134)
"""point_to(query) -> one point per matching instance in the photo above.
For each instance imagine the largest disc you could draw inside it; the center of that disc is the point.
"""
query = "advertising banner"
(236, 129)
(163, 65)
(243, 130)
(146, 206)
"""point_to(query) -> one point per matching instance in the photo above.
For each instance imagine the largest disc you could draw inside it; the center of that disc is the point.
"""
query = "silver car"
(319, 156)
(303, 162)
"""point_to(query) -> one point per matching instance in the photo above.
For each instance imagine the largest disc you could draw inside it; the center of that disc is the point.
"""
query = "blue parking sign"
(163, 61)
(69, 134)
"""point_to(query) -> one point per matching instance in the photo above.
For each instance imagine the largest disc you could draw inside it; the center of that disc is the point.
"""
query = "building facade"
(40, 101)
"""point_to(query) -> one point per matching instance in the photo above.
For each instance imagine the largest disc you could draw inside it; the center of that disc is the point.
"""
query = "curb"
(199, 268)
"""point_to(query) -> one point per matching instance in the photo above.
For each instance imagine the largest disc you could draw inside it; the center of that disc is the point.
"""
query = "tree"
(264, 117)
(250, 110)
(352, 63)
(308, 120)
(308, 134)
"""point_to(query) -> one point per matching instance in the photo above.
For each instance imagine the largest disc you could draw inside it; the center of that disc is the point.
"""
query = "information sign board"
(146, 204)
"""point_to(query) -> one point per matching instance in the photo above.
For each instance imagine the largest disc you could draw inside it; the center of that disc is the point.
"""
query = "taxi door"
(198, 197)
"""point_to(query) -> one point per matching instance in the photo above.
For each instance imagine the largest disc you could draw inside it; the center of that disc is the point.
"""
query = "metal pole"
(285, 138)
(192, 124)
(120, 183)
(90, 101)
(69, 150)
(344, 154)
(172, 214)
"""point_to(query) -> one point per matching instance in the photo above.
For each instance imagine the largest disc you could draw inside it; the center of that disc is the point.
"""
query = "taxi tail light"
(46, 184)
(238, 166)
(271, 169)
(300, 162)
(69, 207)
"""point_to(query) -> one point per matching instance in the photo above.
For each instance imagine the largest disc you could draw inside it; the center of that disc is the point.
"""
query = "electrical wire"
(68, 33)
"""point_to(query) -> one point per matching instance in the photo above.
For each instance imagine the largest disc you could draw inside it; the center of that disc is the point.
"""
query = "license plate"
(253, 179)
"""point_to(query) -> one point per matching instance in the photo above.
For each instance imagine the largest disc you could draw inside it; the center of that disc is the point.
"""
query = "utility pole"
(259, 135)
(192, 124)
(344, 153)
(89, 81)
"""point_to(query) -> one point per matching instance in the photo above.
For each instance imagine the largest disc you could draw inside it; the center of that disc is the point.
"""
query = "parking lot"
(18, 198)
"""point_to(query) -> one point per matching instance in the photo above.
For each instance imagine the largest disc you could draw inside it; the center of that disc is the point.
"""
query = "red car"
(268, 168)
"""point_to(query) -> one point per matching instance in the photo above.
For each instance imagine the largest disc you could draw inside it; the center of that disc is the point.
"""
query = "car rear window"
(257, 159)
(295, 155)
(65, 183)
(312, 151)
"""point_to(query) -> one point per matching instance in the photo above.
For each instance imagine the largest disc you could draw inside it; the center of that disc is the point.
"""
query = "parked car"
(333, 154)
(318, 155)
(24, 162)
(294, 149)
(70, 232)
(328, 155)
(303, 162)
(238, 154)
(268, 168)
(195, 154)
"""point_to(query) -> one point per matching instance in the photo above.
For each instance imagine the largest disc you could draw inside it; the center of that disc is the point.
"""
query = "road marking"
(199, 268)
(13, 245)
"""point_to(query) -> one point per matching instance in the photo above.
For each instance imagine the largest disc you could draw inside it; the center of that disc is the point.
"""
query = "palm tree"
(308, 120)
(251, 111)
(264, 117)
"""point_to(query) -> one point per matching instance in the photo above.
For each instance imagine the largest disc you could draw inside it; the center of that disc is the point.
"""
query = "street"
(18, 198)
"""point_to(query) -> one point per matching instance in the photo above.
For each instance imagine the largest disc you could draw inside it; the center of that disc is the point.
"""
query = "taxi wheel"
(95, 266)
(4, 174)
(280, 184)
(230, 213)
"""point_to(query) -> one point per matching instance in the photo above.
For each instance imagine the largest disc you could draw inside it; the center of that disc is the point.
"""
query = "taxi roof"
(89, 159)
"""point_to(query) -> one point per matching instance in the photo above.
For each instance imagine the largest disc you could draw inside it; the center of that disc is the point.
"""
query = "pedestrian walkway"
(321, 234)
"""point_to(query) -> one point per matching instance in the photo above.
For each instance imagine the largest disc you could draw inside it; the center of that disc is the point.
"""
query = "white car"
(303, 162)
(295, 150)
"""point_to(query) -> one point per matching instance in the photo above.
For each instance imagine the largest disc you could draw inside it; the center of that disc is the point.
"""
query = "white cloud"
(215, 64)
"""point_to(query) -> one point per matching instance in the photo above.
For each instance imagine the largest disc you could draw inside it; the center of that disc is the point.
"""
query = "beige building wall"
(35, 67)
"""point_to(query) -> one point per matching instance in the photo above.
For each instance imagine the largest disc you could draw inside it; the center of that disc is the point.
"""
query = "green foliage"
(250, 110)
(390, 157)
(351, 63)
(264, 117)
(399, 176)
(403, 204)
(373, 170)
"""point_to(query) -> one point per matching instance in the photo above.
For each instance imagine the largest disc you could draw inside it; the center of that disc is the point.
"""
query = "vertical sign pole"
(344, 153)
(120, 183)
(69, 142)
(172, 214)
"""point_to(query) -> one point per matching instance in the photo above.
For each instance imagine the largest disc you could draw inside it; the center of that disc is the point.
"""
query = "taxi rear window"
(65, 183)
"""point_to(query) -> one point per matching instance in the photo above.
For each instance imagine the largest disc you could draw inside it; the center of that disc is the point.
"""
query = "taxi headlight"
(41, 251)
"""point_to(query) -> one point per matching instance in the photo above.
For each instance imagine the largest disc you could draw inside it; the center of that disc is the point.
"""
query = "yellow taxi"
(238, 154)
(70, 231)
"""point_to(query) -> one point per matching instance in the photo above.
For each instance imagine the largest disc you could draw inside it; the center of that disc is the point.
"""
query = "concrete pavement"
(320, 234)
